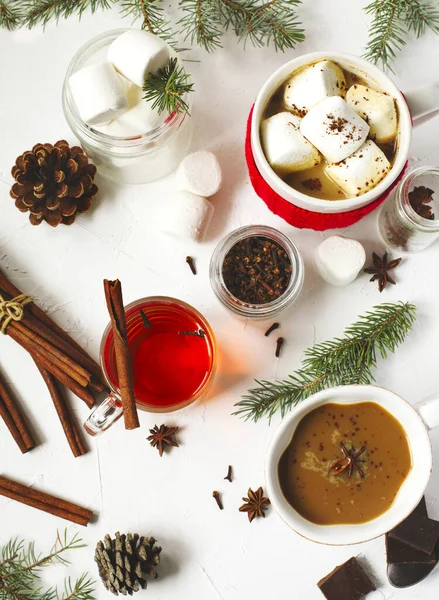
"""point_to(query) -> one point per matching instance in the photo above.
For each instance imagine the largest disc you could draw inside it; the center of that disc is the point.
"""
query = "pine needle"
(201, 23)
(153, 17)
(392, 21)
(40, 12)
(20, 569)
(167, 89)
(10, 15)
(341, 361)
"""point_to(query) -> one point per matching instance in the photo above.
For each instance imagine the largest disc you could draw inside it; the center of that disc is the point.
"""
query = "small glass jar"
(400, 226)
(139, 159)
(245, 309)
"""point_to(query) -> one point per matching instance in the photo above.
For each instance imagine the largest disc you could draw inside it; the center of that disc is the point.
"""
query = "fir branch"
(392, 20)
(20, 570)
(421, 16)
(341, 361)
(42, 11)
(201, 23)
(272, 21)
(153, 17)
(168, 88)
(10, 15)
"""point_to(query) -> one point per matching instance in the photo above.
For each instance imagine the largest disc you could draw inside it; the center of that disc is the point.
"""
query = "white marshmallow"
(284, 146)
(187, 216)
(99, 93)
(200, 173)
(140, 117)
(377, 109)
(339, 260)
(334, 128)
(362, 171)
(311, 85)
(136, 53)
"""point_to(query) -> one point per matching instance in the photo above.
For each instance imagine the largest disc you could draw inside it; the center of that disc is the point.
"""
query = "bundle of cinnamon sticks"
(60, 360)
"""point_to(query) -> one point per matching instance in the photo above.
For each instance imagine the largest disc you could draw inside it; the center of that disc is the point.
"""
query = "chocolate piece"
(417, 531)
(402, 574)
(348, 581)
(399, 553)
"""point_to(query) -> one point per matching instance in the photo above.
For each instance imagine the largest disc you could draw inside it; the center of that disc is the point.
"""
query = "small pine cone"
(125, 561)
(53, 183)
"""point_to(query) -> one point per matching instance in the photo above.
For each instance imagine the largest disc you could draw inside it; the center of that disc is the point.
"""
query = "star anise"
(162, 436)
(380, 270)
(350, 460)
(255, 505)
(419, 199)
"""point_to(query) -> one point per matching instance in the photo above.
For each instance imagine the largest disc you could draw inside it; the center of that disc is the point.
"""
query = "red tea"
(170, 367)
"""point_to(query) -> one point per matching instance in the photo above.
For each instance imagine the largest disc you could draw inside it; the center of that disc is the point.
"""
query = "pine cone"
(53, 183)
(125, 561)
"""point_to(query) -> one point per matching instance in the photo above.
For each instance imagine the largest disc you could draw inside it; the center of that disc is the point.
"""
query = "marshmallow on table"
(187, 216)
(311, 85)
(339, 260)
(99, 93)
(377, 109)
(284, 146)
(334, 128)
(200, 173)
(140, 117)
(362, 171)
(136, 53)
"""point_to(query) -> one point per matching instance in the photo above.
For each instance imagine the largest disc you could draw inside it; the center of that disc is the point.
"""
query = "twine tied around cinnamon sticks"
(12, 310)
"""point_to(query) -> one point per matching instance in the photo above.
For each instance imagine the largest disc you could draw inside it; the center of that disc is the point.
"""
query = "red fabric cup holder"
(299, 217)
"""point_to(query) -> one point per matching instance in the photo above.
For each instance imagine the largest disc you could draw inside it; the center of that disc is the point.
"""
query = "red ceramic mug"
(412, 105)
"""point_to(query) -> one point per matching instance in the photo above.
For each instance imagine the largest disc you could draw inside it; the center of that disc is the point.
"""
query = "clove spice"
(271, 329)
(279, 343)
(200, 333)
(229, 474)
(191, 263)
(257, 270)
(146, 321)
(217, 497)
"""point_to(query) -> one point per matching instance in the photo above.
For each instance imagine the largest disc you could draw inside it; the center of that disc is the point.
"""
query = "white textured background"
(208, 554)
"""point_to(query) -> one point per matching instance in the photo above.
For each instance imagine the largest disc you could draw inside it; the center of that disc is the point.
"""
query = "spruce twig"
(20, 569)
(10, 15)
(40, 12)
(201, 23)
(392, 21)
(341, 361)
(167, 89)
(153, 17)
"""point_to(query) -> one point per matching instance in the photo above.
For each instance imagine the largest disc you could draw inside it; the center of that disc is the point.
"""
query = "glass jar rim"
(92, 135)
(248, 309)
(403, 190)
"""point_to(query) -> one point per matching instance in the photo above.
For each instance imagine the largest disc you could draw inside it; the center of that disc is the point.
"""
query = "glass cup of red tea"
(172, 351)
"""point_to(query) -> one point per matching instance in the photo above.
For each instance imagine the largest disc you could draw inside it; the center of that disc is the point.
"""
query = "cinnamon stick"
(113, 296)
(72, 385)
(55, 330)
(45, 502)
(36, 351)
(14, 420)
(70, 426)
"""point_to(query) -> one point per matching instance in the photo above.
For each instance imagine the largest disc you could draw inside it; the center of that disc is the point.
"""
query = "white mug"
(412, 105)
(416, 421)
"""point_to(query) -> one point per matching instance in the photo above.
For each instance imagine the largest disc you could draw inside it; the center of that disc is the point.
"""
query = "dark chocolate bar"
(417, 531)
(348, 581)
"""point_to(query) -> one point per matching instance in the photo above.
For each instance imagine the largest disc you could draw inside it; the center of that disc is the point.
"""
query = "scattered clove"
(146, 321)
(200, 333)
(279, 343)
(191, 263)
(216, 495)
(229, 474)
(271, 329)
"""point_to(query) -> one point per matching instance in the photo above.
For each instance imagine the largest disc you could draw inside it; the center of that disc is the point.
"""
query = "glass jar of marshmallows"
(132, 158)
